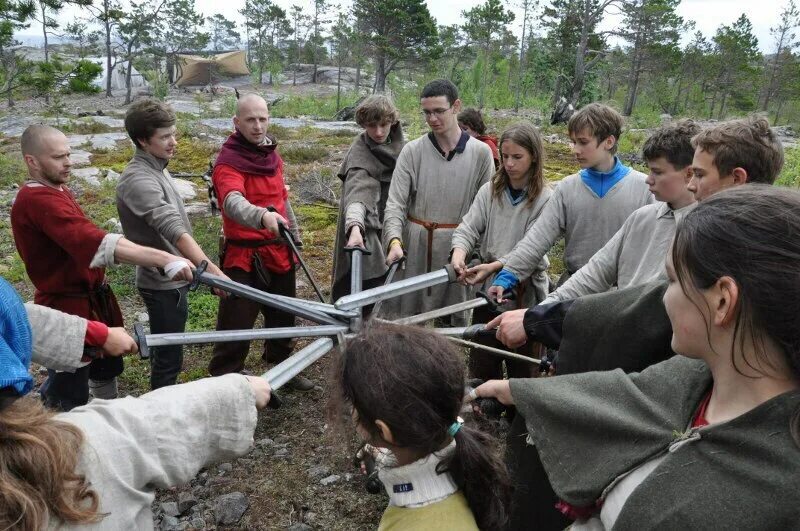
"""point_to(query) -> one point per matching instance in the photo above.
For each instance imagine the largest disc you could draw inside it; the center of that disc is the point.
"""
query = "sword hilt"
(195, 283)
(141, 340)
(362, 250)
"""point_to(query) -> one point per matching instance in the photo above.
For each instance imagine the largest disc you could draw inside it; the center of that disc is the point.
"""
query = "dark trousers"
(168, 310)
(238, 313)
(64, 391)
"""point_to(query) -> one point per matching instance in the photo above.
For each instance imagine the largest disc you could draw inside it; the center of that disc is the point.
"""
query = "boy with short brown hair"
(587, 208)
(366, 174)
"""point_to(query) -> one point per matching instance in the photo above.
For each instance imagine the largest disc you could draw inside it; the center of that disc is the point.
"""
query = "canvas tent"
(196, 70)
(117, 75)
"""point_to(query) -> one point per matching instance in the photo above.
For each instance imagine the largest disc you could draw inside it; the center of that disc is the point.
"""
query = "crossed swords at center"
(335, 321)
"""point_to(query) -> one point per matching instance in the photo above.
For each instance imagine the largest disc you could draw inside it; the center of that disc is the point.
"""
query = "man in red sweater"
(248, 178)
(65, 256)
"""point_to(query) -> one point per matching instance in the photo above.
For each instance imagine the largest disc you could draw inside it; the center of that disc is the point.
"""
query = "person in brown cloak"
(366, 173)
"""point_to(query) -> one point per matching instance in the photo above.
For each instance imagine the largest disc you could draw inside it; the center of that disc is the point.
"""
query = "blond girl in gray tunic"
(503, 211)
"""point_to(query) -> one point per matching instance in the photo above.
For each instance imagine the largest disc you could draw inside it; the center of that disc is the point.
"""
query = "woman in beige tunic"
(503, 211)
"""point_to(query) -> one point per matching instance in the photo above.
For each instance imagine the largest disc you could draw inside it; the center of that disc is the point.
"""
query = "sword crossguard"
(141, 340)
(195, 283)
(362, 250)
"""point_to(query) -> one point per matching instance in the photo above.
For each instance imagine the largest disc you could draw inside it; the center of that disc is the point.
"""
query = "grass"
(790, 175)
(84, 127)
(315, 217)
(301, 154)
(12, 170)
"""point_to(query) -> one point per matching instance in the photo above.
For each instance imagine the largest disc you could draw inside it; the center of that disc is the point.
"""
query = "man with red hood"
(248, 178)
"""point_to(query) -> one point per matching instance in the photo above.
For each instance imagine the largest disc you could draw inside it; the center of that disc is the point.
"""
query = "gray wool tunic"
(592, 428)
(495, 225)
(152, 214)
(585, 220)
(635, 255)
(427, 186)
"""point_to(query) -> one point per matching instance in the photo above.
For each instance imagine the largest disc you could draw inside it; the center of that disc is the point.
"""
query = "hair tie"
(454, 427)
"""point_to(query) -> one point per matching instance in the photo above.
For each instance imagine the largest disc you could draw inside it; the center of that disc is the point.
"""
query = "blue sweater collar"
(602, 182)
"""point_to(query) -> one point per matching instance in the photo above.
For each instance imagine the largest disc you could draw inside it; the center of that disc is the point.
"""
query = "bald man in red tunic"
(65, 256)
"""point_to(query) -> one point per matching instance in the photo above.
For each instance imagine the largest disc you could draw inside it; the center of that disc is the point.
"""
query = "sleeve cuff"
(96, 333)
(506, 279)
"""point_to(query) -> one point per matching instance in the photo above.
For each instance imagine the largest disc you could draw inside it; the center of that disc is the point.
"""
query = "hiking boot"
(301, 383)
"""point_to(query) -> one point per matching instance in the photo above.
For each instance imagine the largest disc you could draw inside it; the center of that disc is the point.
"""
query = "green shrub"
(790, 175)
(303, 153)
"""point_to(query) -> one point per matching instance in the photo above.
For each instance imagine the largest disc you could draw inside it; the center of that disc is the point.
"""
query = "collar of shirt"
(460, 146)
(419, 484)
(516, 196)
(151, 160)
(602, 182)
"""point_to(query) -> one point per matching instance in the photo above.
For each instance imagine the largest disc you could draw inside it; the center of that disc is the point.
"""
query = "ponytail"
(479, 470)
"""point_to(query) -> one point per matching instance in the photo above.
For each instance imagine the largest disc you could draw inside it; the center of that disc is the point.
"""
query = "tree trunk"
(339, 86)
(580, 60)
(521, 68)
(380, 74)
(109, 67)
(633, 86)
(128, 75)
(778, 112)
(358, 75)
(46, 47)
(556, 91)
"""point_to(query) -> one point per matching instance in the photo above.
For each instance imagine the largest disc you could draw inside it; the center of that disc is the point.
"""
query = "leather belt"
(431, 226)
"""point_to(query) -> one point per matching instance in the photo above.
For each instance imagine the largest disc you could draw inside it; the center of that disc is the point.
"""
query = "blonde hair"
(376, 109)
(527, 137)
(38, 456)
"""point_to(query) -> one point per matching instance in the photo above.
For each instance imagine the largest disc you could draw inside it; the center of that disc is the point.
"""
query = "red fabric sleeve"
(65, 224)
(96, 333)
(226, 180)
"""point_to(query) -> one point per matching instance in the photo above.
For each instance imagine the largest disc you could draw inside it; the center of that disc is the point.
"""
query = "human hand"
(510, 329)
(395, 254)
(457, 260)
(119, 343)
(495, 293)
(499, 389)
(477, 274)
(355, 239)
(270, 221)
(262, 390)
(214, 270)
(177, 268)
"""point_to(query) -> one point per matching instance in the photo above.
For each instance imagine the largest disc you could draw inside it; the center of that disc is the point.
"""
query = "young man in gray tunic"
(433, 185)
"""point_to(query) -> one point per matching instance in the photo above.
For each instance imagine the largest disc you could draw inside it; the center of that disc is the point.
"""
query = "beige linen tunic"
(133, 446)
(586, 221)
(495, 225)
(427, 186)
(635, 255)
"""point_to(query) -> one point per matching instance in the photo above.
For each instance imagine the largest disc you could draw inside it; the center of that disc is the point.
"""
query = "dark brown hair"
(526, 136)
(145, 116)
(472, 118)
(38, 456)
(600, 120)
(749, 233)
(673, 142)
(747, 143)
(440, 87)
(413, 380)
(376, 109)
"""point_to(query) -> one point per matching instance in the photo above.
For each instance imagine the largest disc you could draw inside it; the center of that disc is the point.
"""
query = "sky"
(707, 14)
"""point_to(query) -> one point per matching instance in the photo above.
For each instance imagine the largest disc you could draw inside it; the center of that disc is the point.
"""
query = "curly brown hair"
(38, 456)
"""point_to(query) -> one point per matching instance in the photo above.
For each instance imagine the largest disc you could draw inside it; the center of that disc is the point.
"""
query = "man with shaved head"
(65, 256)
(248, 178)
